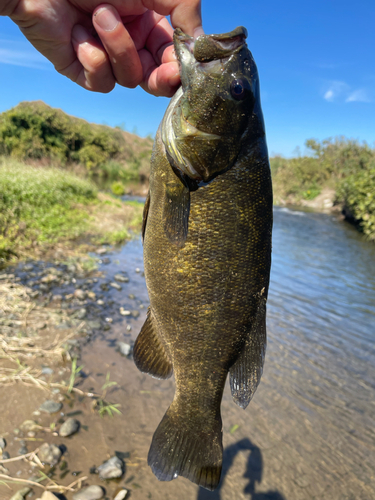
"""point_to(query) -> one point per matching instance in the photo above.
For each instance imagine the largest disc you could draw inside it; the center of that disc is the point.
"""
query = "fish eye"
(239, 89)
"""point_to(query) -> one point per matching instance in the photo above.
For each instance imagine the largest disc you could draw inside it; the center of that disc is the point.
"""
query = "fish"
(207, 228)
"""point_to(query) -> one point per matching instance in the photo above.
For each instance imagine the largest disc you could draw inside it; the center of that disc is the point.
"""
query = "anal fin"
(246, 372)
(149, 352)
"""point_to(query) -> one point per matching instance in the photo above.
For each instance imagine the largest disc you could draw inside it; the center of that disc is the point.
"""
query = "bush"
(117, 189)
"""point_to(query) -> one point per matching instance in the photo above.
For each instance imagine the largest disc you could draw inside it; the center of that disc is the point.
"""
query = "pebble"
(116, 286)
(112, 468)
(57, 297)
(121, 495)
(93, 492)
(124, 312)
(49, 454)
(109, 320)
(28, 267)
(79, 294)
(125, 349)
(101, 251)
(3, 443)
(129, 328)
(5, 455)
(135, 314)
(137, 270)
(20, 495)
(100, 302)
(91, 295)
(69, 427)
(31, 434)
(46, 370)
(23, 448)
(81, 313)
(131, 296)
(50, 406)
(121, 278)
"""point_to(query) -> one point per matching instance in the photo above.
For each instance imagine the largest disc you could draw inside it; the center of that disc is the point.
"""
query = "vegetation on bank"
(35, 132)
(344, 165)
(42, 206)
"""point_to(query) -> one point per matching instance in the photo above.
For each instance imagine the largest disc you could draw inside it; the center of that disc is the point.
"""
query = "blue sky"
(316, 61)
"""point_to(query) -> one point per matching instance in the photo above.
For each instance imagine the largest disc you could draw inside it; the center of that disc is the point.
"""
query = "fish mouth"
(206, 48)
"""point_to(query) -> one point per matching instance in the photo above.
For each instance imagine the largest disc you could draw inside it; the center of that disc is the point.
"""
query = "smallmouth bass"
(207, 252)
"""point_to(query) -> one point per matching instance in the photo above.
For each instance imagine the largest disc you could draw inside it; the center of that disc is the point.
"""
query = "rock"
(135, 314)
(28, 267)
(100, 302)
(124, 312)
(81, 313)
(50, 406)
(46, 370)
(116, 286)
(3, 443)
(5, 455)
(106, 260)
(49, 454)
(131, 296)
(57, 298)
(124, 349)
(79, 294)
(91, 295)
(23, 448)
(121, 278)
(31, 434)
(129, 328)
(94, 324)
(93, 492)
(121, 495)
(112, 468)
(137, 270)
(104, 287)
(101, 251)
(49, 278)
(20, 495)
(71, 426)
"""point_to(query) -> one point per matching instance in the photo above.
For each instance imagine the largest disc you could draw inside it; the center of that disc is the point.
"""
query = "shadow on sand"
(253, 473)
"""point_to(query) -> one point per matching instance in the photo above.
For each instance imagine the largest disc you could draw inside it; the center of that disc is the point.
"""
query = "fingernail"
(80, 34)
(198, 32)
(107, 18)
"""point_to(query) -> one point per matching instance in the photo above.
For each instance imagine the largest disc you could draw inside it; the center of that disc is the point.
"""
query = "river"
(310, 430)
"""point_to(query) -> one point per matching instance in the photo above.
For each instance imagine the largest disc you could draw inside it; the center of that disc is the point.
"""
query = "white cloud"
(336, 90)
(21, 54)
(340, 91)
(359, 95)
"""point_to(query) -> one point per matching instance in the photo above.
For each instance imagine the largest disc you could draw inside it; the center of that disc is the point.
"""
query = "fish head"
(211, 113)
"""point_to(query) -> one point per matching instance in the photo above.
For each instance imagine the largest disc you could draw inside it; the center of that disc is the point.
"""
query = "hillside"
(38, 134)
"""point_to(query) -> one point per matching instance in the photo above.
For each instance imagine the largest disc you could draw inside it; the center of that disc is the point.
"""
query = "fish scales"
(207, 256)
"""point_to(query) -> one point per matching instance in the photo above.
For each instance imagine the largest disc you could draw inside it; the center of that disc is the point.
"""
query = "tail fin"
(188, 447)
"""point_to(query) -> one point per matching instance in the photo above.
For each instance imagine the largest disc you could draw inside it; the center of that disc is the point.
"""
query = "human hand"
(97, 45)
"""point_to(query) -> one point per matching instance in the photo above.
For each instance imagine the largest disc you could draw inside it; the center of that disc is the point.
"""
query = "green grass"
(40, 204)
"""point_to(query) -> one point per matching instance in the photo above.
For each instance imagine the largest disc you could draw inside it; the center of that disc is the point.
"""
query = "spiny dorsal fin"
(149, 352)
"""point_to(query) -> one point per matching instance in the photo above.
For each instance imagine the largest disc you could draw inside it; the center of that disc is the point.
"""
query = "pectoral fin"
(246, 372)
(149, 352)
(176, 211)
(145, 214)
